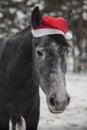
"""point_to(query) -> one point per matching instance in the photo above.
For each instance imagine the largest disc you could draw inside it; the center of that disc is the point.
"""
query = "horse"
(27, 62)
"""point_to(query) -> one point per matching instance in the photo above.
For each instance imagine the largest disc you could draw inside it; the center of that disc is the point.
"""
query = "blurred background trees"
(15, 15)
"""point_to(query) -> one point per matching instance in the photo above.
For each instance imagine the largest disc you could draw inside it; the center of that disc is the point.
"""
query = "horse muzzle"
(55, 106)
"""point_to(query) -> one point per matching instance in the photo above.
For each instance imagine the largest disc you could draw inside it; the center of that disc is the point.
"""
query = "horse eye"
(40, 53)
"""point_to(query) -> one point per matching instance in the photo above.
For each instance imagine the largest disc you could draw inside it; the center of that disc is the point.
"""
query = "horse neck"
(27, 40)
(18, 50)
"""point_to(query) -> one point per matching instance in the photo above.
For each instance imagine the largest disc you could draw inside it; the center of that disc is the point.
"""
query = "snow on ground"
(75, 116)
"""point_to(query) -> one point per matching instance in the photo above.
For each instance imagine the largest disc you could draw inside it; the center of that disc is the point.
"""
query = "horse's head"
(49, 52)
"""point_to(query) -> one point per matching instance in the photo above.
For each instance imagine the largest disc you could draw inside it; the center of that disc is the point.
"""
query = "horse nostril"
(52, 102)
(68, 100)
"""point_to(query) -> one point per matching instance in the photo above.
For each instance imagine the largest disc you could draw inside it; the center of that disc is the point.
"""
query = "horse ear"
(68, 17)
(36, 17)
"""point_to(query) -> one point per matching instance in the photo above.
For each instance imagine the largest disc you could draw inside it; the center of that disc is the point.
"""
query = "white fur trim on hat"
(68, 36)
(44, 32)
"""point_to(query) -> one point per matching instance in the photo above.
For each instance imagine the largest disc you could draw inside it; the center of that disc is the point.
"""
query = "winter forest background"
(15, 15)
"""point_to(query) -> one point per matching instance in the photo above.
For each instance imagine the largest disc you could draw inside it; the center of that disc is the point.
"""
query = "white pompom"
(68, 35)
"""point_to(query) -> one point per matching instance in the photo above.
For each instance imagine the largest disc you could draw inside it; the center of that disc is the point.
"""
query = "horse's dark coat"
(19, 84)
(19, 95)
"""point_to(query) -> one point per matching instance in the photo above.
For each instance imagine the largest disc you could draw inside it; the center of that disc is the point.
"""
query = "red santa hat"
(50, 26)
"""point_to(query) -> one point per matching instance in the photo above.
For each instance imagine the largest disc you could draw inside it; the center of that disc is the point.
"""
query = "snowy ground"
(75, 116)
